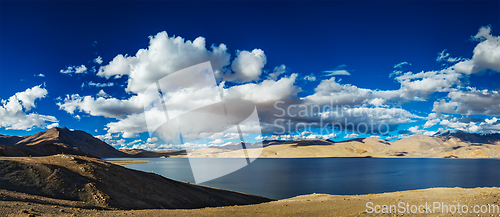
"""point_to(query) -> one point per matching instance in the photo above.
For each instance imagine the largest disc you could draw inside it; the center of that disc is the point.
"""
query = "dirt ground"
(307, 205)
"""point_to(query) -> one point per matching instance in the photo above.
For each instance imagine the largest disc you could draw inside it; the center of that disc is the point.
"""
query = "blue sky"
(365, 39)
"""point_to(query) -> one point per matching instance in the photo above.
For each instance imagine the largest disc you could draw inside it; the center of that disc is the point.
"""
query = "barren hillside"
(95, 183)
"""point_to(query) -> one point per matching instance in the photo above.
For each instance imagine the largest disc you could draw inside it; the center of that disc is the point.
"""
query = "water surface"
(285, 178)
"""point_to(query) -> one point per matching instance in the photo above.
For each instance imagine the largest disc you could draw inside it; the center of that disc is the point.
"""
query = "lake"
(285, 178)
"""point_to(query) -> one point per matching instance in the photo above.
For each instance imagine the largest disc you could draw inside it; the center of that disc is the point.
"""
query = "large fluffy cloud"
(349, 107)
(470, 102)
(130, 126)
(327, 117)
(486, 54)
(101, 106)
(266, 93)
(332, 92)
(247, 66)
(420, 85)
(29, 96)
(14, 111)
(165, 55)
(182, 100)
(466, 124)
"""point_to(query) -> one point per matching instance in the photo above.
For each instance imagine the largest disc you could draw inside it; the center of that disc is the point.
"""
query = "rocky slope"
(91, 182)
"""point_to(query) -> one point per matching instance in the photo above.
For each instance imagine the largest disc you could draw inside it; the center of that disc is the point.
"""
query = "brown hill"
(92, 182)
(414, 146)
(298, 149)
(57, 141)
(455, 145)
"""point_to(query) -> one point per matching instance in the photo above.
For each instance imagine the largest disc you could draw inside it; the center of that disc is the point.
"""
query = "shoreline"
(307, 157)
(128, 162)
(303, 205)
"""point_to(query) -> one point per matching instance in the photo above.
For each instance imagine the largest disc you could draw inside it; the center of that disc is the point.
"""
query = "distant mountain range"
(450, 145)
(446, 145)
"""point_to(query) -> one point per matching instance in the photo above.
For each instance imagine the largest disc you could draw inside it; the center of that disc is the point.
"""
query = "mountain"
(10, 140)
(57, 141)
(475, 138)
(307, 148)
(413, 146)
(93, 183)
(450, 145)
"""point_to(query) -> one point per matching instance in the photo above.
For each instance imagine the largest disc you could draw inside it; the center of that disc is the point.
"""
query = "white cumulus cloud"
(165, 55)
(247, 66)
(486, 54)
(470, 102)
(14, 112)
(101, 106)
